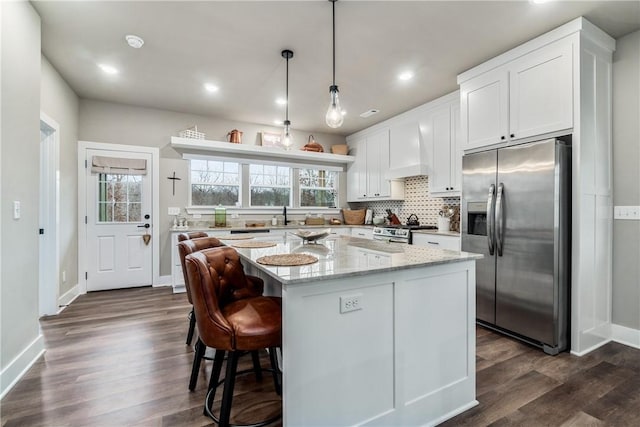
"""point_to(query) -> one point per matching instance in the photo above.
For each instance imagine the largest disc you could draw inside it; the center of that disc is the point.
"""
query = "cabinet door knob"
(503, 137)
(513, 135)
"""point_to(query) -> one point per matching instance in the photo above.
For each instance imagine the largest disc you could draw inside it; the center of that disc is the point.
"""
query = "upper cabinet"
(531, 95)
(366, 178)
(443, 133)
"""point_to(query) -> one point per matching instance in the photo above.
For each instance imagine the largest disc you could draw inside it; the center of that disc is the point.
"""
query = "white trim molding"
(163, 281)
(20, 365)
(624, 335)
(155, 215)
(68, 297)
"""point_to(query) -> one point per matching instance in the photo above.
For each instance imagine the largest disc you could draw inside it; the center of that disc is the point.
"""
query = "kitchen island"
(374, 333)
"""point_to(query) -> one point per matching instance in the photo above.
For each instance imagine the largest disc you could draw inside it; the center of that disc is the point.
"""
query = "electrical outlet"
(626, 212)
(64, 276)
(16, 210)
(197, 216)
(350, 303)
(174, 211)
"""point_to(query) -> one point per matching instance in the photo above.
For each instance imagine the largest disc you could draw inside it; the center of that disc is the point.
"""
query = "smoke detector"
(369, 113)
(134, 41)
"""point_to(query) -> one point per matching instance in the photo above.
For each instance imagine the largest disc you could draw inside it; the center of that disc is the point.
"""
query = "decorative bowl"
(378, 220)
(312, 235)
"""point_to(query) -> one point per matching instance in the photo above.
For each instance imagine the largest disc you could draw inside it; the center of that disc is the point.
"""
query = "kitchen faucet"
(284, 212)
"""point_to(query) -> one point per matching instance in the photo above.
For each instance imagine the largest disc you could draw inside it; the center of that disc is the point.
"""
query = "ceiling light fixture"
(287, 139)
(134, 41)
(281, 101)
(334, 117)
(277, 122)
(108, 69)
(407, 75)
(211, 87)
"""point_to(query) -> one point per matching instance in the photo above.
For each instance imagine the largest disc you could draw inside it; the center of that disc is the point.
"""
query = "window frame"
(239, 185)
(244, 205)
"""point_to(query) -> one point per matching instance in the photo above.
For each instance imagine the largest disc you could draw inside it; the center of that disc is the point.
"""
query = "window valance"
(118, 165)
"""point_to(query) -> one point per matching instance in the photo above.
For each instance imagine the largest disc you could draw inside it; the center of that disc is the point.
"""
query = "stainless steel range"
(398, 233)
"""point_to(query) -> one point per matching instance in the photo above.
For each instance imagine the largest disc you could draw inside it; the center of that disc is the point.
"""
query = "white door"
(119, 213)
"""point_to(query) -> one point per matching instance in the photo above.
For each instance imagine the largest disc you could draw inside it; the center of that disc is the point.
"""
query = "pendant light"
(334, 116)
(287, 139)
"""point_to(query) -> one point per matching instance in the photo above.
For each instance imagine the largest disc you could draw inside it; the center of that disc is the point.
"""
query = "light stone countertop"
(291, 227)
(345, 256)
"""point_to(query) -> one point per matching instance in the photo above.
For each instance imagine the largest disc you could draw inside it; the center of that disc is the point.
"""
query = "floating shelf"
(190, 147)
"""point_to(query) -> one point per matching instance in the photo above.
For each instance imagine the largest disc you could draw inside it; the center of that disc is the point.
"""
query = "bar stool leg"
(218, 359)
(255, 356)
(192, 326)
(195, 368)
(229, 384)
(275, 370)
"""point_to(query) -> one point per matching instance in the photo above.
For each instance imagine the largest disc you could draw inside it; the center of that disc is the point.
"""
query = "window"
(119, 198)
(318, 188)
(215, 183)
(261, 185)
(269, 185)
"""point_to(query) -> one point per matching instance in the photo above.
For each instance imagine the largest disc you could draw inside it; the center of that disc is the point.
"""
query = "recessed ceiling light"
(277, 122)
(344, 112)
(540, 1)
(407, 75)
(369, 113)
(211, 87)
(134, 41)
(281, 101)
(108, 69)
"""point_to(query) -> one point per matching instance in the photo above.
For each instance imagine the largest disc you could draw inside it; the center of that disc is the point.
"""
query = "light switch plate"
(173, 211)
(626, 212)
(16, 210)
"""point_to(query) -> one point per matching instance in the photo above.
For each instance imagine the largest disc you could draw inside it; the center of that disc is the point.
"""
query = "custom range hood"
(407, 152)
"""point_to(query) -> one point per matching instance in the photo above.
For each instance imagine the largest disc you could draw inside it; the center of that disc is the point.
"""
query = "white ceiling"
(237, 46)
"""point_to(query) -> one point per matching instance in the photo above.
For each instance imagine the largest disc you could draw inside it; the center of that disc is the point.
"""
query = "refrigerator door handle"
(500, 219)
(490, 219)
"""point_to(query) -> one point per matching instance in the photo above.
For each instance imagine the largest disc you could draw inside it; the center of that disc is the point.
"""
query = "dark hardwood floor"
(118, 358)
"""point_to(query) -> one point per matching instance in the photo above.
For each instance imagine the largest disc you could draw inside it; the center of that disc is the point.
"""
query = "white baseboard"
(626, 336)
(20, 365)
(163, 281)
(67, 298)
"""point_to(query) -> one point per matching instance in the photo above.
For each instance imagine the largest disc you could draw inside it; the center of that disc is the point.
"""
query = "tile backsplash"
(418, 201)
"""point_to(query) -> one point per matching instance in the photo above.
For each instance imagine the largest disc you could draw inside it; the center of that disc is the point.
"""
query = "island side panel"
(406, 357)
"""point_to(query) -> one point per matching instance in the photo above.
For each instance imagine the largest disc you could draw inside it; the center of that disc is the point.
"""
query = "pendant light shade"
(287, 139)
(334, 117)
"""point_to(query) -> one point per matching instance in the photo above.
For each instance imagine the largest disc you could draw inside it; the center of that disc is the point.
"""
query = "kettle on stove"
(413, 220)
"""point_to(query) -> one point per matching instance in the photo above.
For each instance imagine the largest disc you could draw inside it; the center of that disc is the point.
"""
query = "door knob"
(144, 226)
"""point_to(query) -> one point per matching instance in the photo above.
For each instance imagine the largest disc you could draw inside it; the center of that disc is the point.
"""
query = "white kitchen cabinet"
(484, 109)
(366, 175)
(446, 157)
(362, 232)
(437, 241)
(530, 95)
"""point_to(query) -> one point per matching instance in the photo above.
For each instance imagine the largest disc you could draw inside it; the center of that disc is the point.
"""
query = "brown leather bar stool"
(192, 320)
(254, 287)
(231, 321)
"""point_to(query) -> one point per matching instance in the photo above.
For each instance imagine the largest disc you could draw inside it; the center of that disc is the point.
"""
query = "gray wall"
(626, 180)
(59, 101)
(20, 134)
(124, 124)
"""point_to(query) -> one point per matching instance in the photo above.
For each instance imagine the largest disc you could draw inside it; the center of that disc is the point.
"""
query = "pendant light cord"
(287, 93)
(333, 13)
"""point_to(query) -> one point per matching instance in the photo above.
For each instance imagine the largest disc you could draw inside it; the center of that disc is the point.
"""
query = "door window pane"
(119, 198)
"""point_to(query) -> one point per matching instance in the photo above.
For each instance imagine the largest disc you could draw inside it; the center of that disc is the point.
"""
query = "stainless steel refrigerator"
(516, 210)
